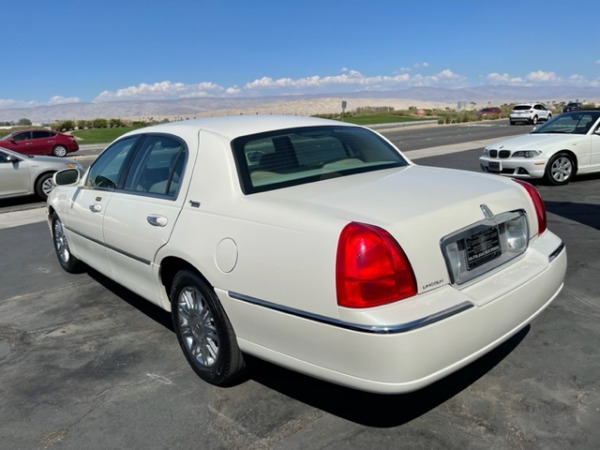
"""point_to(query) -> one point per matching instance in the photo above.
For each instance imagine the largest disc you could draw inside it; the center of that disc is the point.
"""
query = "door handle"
(157, 221)
(95, 207)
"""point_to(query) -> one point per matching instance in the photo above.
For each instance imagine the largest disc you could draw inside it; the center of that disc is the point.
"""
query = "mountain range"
(420, 97)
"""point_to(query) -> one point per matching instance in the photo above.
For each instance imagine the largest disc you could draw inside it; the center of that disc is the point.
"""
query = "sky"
(66, 51)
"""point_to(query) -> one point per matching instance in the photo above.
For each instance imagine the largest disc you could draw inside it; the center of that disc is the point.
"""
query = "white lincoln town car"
(313, 244)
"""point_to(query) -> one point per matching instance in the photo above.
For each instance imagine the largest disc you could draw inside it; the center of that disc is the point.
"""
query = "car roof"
(232, 127)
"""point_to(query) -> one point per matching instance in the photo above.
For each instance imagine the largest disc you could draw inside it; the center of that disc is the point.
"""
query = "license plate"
(494, 166)
(482, 247)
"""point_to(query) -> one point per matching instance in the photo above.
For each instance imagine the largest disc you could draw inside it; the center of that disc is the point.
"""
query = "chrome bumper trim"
(374, 329)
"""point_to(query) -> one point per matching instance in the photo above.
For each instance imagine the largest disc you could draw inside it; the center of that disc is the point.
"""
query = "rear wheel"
(534, 120)
(560, 169)
(59, 150)
(43, 185)
(61, 246)
(204, 331)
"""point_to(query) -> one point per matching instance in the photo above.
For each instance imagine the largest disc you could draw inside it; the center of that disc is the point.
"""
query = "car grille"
(500, 154)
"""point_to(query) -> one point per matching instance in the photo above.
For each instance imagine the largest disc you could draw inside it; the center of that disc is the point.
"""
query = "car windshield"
(291, 157)
(522, 107)
(570, 123)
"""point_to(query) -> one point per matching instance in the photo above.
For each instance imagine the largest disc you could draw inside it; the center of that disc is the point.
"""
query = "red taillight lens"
(538, 203)
(371, 268)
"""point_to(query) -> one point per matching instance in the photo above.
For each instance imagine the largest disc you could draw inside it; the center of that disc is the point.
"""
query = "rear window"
(522, 107)
(296, 156)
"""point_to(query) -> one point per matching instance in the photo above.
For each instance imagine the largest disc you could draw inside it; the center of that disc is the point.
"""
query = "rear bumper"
(405, 359)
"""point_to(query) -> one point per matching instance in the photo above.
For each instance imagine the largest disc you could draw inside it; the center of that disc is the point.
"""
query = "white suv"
(529, 113)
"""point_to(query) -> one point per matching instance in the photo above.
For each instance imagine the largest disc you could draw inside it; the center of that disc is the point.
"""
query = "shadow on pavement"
(376, 410)
(584, 213)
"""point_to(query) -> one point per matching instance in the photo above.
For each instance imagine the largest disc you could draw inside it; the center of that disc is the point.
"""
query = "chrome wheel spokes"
(60, 242)
(561, 169)
(197, 326)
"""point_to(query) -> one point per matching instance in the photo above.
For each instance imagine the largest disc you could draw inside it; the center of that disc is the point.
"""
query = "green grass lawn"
(100, 135)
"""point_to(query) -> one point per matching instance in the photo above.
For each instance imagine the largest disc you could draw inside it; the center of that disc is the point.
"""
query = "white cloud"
(353, 79)
(504, 78)
(58, 100)
(6, 103)
(532, 78)
(540, 76)
(161, 91)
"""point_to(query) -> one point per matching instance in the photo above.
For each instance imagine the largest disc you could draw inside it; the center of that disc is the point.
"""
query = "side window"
(2, 158)
(22, 136)
(106, 171)
(39, 134)
(157, 166)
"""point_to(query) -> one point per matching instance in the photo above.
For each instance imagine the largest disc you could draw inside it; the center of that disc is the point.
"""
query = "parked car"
(313, 244)
(491, 111)
(39, 142)
(572, 106)
(529, 113)
(27, 175)
(556, 151)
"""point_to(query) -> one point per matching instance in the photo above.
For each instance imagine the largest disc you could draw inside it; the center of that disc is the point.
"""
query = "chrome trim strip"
(102, 244)
(556, 252)
(363, 328)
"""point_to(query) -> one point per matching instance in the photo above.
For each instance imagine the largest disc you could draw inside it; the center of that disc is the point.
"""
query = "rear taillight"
(538, 203)
(371, 268)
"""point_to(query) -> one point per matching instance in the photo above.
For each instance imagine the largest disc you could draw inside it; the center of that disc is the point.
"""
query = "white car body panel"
(271, 259)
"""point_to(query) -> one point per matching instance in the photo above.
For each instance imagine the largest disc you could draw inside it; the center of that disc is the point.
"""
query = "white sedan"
(313, 244)
(565, 146)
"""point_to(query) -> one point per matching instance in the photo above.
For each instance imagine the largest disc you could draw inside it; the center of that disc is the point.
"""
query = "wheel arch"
(170, 266)
(573, 156)
(41, 174)
(38, 179)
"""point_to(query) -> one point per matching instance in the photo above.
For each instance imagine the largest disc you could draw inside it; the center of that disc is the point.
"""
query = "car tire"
(61, 246)
(512, 122)
(534, 121)
(560, 169)
(43, 185)
(549, 117)
(203, 330)
(59, 150)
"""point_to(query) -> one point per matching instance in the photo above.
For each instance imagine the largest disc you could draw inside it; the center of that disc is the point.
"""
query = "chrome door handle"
(157, 221)
(95, 207)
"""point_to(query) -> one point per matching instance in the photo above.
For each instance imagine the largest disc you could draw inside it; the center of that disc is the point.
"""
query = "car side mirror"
(66, 177)
(12, 159)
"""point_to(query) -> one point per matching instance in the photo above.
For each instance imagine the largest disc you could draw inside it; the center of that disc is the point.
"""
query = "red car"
(39, 142)
(489, 111)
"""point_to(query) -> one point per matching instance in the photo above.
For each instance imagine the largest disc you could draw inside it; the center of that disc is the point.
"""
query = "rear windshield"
(296, 156)
(522, 107)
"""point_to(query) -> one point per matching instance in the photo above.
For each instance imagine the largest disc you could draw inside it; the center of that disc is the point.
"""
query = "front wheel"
(44, 185)
(61, 246)
(560, 169)
(59, 150)
(204, 332)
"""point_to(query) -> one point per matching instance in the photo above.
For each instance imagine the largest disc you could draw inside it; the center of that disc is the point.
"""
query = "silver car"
(26, 174)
